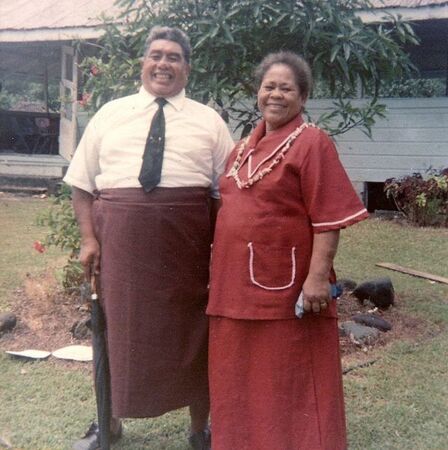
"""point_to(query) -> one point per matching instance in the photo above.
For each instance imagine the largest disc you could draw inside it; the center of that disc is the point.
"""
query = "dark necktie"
(153, 157)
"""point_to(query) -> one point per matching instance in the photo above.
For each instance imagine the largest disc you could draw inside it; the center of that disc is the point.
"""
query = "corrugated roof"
(55, 20)
(50, 14)
(40, 14)
(407, 3)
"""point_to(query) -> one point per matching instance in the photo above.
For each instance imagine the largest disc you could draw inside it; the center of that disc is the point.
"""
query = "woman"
(275, 379)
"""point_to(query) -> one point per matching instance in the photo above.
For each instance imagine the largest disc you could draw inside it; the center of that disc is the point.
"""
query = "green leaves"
(64, 234)
(60, 219)
(346, 116)
(230, 37)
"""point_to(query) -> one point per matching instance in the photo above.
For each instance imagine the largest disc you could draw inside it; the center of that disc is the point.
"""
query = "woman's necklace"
(257, 174)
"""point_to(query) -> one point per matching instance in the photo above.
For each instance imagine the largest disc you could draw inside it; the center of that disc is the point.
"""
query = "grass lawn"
(400, 402)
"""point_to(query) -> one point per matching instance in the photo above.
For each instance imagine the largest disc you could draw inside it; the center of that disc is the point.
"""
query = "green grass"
(423, 249)
(401, 401)
(45, 406)
(373, 241)
(398, 403)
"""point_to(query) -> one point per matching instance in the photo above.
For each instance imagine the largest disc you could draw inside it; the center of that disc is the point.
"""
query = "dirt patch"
(46, 316)
(404, 326)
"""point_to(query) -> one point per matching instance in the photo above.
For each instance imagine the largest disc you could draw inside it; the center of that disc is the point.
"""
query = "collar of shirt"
(146, 99)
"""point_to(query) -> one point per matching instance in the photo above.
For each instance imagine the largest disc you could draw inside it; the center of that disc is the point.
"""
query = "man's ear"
(187, 70)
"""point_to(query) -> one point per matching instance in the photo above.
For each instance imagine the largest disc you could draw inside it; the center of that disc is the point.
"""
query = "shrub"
(64, 234)
(422, 198)
(418, 87)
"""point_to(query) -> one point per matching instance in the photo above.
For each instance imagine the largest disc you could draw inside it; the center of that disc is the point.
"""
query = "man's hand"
(89, 257)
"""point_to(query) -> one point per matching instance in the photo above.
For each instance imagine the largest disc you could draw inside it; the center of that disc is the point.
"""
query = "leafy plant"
(345, 117)
(5, 100)
(412, 87)
(64, 234)
(423, 199)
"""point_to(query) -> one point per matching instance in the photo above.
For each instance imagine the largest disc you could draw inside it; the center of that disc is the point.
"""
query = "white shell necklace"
(257, 174)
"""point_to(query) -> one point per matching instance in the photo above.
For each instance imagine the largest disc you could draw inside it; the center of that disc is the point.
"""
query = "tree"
(229, 37)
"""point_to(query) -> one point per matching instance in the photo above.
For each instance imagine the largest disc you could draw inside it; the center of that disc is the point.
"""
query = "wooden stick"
(415, 273)
(359, 366)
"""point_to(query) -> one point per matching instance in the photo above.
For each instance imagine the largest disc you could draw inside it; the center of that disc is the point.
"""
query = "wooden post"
(45, 61)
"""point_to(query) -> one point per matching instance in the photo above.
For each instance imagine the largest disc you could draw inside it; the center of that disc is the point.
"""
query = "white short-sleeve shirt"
(109, 155)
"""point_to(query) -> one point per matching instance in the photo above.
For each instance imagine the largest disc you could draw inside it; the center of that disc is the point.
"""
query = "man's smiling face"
(164, 69)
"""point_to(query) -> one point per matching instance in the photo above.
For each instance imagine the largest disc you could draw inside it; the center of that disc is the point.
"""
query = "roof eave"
(51, 34)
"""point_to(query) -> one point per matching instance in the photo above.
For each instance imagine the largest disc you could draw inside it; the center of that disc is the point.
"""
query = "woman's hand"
(316, 289)
(316, 294)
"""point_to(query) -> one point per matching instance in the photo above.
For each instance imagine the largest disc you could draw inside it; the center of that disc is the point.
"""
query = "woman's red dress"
(276, 380)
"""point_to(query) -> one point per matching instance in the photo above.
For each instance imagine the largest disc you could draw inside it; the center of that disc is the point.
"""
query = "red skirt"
(154, 272)
(276, 385)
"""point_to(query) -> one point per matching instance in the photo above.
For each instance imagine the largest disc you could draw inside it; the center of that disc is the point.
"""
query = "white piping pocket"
(271, 288)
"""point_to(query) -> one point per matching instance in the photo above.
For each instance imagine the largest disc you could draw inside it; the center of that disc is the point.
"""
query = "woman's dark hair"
(170, 34)
(299, 67)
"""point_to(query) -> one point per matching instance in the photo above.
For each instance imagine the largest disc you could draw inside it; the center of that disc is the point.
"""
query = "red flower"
(95, 71)
(85, 99)
(38, 246)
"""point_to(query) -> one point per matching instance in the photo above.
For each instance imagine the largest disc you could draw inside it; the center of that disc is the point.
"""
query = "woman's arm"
(89, 255)
(215, 204)
(316, 289)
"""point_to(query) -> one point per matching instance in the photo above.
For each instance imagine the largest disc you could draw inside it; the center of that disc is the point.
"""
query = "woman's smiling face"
(279, 98)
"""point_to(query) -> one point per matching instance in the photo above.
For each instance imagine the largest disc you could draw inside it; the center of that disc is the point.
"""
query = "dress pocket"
(272, 268)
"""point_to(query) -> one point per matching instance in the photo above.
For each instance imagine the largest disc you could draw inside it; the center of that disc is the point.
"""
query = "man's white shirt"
(109, 155)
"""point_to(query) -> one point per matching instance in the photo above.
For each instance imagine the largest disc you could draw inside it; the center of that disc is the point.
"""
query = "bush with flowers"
(423, 199)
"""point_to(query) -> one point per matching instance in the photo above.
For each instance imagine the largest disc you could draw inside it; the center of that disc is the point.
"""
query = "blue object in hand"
(336, 291)
(299, 306)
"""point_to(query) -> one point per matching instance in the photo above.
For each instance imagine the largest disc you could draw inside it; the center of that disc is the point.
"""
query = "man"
(143, 206)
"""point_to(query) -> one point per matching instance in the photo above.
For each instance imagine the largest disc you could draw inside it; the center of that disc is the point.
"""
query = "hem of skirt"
(151, 413)
(238, 316)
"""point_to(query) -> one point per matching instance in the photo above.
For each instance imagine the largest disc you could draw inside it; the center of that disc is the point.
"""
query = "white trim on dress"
(337, 222)
(251, 270)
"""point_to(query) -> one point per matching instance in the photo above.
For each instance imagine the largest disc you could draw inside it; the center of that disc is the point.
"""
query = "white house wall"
(413, 137)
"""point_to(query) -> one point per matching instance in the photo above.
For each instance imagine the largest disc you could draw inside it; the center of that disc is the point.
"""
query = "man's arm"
(89, 255)
(316, 289)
